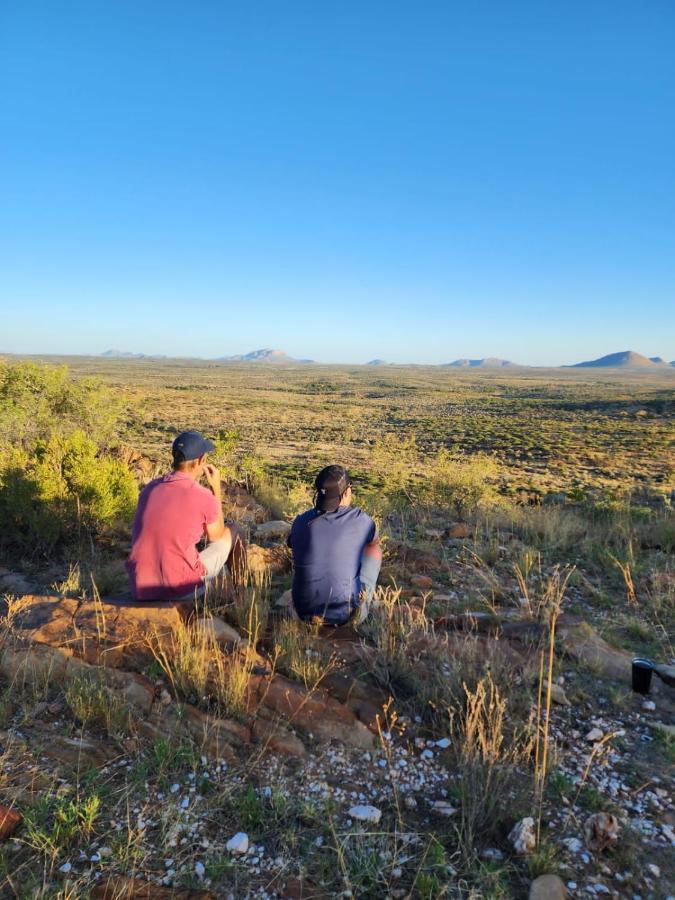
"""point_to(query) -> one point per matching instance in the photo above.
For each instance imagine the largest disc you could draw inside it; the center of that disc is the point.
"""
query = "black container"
(642, 675)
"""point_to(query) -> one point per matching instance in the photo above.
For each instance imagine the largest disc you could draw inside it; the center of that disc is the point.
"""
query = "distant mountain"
(488, 362)
(626, 359)
(377, 362)
(266, 356)
(125, 354)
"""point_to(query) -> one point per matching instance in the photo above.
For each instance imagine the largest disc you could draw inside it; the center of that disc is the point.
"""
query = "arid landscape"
(476, 737)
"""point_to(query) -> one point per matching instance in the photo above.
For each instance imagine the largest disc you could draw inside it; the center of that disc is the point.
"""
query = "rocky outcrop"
(58, 639)
(583, 644)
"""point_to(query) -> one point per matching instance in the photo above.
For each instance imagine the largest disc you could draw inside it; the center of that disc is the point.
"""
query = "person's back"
(173, 512)
(336, 555)
(327, 549)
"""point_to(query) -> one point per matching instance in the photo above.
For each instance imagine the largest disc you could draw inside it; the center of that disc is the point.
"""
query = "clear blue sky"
(415, 181)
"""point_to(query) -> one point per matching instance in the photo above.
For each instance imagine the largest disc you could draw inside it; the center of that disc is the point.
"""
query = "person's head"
(333, 489)
(189, 453)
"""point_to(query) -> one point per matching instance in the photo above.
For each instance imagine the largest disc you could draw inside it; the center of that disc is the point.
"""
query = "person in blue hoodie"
(336, 554)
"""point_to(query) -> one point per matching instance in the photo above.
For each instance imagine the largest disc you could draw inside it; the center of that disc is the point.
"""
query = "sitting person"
(174, 514)
(336, 554)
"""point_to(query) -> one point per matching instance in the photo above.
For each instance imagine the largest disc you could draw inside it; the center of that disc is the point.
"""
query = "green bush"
(64, 488)
(38, 401)
(461, 483)
(56, 481)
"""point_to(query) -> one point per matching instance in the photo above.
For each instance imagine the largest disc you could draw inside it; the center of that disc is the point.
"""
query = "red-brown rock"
(10, 820)
(119, 887)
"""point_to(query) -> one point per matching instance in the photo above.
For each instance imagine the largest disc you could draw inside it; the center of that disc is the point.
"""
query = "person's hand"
(212, 475)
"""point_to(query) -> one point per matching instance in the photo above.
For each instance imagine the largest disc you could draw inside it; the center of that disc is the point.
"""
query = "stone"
(278, 739)
(668, 730)
(648, 706)
(315, 712)
(120, 887)
(666, 674)
(548, 887)
(366, 813)
(583, 644)
(78, 753)
(10, 820)
(218, 630)
(423, 582)
(558, 695)
(522, 836)
(443, 808)
(595, 735)
(16, 584)
(601, 830)
(458, 531)
(274, 529)
(238, 845)
(285, 601)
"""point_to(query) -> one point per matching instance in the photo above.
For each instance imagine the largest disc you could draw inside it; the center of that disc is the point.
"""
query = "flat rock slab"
(110, 632)
(118, 887)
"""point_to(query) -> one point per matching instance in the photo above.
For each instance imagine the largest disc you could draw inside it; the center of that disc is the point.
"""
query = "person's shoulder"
(360, 514)
(304, 518)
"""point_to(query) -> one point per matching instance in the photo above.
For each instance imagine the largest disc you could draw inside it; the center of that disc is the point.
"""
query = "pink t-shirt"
(170, 520)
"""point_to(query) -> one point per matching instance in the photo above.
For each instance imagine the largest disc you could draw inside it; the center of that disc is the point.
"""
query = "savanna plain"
(476, 737)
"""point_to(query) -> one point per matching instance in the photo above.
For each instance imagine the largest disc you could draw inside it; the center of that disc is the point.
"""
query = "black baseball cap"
(191, 445)
(331, 483)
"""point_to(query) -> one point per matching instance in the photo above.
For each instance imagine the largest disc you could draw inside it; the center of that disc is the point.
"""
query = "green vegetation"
(58, 484)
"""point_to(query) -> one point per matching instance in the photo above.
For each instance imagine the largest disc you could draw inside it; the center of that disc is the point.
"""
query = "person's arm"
(373, 549)
(217, 530)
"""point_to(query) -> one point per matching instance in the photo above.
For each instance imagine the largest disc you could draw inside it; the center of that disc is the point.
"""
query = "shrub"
(461, 483)
(64, 488)
(37, 401)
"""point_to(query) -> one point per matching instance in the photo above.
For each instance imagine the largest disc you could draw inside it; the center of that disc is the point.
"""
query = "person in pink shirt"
(175, 512)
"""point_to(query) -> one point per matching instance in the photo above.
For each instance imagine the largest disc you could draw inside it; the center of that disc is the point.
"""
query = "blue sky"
(413, 181)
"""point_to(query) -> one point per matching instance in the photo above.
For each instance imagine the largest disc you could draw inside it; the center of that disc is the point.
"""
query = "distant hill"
(488, 362)
(626, 359)
(125, 354)
(377, 362)
(266, 356)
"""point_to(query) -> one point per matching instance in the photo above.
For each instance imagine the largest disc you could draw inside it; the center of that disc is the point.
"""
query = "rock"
(238, 845)
(555, 498)
(594, 735)
(491, 854)
(10, 820)
(548, 887)
(218, 630)
(457, 531)
(666, 674)
(558, 695)
(263, 561)
(285, 601)
(78, 753)
(522, 836)
(366, 814)
(119, 887)
(601, 830)
(668, 730)
(278, 739)
(314, 712)
(274, 529)
(15, 583)
(582, 643)
(113, 633)
(423, 582)
(648, 706)
(443, 808)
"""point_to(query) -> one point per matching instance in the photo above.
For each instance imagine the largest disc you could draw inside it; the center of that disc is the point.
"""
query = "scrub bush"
(56, 482)
(64, 488)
